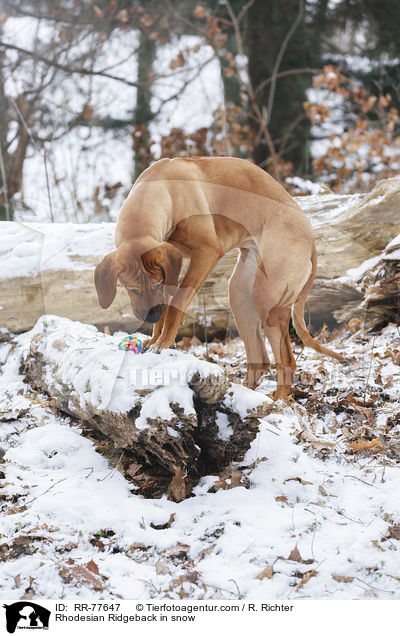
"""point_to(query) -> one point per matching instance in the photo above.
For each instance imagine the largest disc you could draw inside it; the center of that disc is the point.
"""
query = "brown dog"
(200, 208)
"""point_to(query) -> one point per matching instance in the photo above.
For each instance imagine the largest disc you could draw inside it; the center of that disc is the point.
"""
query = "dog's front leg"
(157, 328)
(202, 263)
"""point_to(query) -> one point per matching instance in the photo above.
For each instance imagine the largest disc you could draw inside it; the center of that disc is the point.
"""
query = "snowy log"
(48, 268)
(172, 416)
(379, 284)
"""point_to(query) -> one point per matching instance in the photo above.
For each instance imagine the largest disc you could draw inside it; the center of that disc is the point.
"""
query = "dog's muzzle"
(155, 313)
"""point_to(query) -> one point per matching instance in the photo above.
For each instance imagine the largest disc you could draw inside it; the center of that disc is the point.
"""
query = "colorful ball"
(131, 343)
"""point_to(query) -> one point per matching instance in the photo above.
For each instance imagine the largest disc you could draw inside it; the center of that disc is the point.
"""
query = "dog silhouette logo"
(26, 615)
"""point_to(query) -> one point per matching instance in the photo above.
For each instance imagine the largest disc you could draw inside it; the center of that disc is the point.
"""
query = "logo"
(26, 615)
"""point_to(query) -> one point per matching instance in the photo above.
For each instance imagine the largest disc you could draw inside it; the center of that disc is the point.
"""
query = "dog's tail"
(298, 316)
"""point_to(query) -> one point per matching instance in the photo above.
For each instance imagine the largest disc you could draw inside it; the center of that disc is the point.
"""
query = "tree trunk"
(143, 115)
(71, 363)
(349, 230)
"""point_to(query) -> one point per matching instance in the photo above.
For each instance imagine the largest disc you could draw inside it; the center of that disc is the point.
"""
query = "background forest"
(92, 92)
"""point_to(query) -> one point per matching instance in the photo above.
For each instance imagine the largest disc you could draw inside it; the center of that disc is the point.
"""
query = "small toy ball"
(131, 343)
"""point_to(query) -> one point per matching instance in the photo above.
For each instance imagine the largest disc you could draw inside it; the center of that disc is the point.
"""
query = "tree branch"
(66, 68)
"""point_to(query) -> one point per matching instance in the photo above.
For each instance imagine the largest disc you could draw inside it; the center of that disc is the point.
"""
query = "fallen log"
(172, 416)
(48, 268)
(379, 284)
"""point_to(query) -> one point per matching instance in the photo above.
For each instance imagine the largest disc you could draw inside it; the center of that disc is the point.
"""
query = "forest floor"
(311, 512)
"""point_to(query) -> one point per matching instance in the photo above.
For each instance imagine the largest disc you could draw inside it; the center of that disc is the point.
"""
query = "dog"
(200, 208)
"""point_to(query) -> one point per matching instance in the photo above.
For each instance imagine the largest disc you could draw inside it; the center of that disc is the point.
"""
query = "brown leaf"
(282, 498)
(67, 547)
(191, 577)
(199, 11)
(306, 577)
(98, 12)
(207, 551)
(179, 550)
(294, 555)
(29, 593)
(177, 487)
(300, 480)
(80, 575)
(164, 526)
(92, 567)
(267, 573)
(363, 445)
(177, 62)
(17, 580)
(162, 567)
(343, 579)
(394, 531)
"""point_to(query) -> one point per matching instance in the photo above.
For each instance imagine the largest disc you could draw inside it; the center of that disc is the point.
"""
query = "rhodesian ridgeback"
(200, 208)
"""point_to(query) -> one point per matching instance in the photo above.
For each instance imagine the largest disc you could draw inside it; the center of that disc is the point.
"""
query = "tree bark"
(179, 446)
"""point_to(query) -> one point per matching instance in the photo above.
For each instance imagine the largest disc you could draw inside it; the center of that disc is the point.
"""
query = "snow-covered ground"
(311, 512)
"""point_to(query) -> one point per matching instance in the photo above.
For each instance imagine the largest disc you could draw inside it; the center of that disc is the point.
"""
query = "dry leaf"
(300, 480)
(177, 62)
(179, 550)
(80, 575)
(162, 526)
(267, 573)
(92, 567)
(294, 555)
(97, 11)
(282, 498)
(306, 577)
(343, 579)
(199, 11)
(363, 445)
(177, 487)
(394, 531)
(191, 577)
(162, 567)
(207, 551)
(17, 580)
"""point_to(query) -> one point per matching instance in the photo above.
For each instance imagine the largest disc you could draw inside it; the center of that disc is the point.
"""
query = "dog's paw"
(158, 346)
(146, 344)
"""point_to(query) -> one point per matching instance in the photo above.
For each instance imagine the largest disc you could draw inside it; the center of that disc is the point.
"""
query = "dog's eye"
(132, 291)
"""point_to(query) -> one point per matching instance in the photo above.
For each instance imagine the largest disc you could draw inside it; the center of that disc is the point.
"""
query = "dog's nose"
(155, 313)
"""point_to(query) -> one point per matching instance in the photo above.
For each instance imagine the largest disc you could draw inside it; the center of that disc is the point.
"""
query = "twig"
(64, 67)
(4, 185)
(369, 370)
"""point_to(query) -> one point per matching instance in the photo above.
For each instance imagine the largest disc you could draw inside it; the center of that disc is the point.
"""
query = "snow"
(26, 249)
(103, 377)
(336, 507)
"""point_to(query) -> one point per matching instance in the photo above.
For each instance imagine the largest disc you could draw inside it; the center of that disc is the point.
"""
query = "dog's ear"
(105, 278)
(163, 263)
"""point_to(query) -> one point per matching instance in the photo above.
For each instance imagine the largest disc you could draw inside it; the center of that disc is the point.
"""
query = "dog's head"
(146, 276)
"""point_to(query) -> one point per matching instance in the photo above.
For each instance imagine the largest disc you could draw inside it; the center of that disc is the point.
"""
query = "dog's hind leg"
(276, 328)
(280, 277)
(248, 321)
